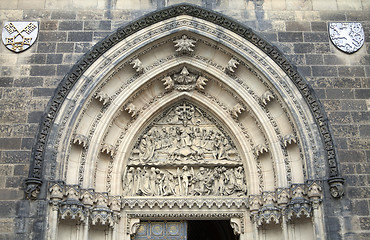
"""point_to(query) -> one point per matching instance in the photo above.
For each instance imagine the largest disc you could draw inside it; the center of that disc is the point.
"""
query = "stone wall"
(69, 28)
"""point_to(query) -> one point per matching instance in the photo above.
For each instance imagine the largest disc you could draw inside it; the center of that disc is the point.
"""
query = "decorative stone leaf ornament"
(348, 37)
(184, 44)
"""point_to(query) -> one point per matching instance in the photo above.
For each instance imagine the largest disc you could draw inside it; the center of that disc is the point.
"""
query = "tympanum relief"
(184, 152)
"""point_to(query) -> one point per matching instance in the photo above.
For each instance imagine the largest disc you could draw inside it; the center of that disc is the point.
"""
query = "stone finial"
(131, 109)
(87, 197)
(80, 140)
(184, 44)
(231, 65)
(56, 190)
(267, 97)
(108, 149)
(289, 139)
(237, 110)
(260, 149)
(138, 65)
(168, 83)
(103, 98)
(201, 83)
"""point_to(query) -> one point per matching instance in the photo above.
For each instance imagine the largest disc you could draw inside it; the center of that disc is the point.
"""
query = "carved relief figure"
(185, 181)
(184, 152)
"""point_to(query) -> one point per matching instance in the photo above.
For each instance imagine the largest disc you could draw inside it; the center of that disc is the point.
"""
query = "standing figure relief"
(185, 181)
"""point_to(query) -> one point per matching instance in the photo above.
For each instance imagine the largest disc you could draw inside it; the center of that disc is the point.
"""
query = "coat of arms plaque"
(19, 36)
(348, 37)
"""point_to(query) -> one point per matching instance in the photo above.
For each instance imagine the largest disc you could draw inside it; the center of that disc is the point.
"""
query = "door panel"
(158, 230)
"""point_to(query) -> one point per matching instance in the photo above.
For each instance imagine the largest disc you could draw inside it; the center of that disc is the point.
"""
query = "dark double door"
(185, 230)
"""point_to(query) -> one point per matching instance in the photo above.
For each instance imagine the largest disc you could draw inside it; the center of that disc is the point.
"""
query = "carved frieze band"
(76, 203)
(34, 181)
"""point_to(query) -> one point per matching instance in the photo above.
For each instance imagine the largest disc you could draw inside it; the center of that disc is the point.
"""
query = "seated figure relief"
(184, 152)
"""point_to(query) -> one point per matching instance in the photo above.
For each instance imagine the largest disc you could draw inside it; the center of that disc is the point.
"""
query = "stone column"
(56, 195)
(315, 195)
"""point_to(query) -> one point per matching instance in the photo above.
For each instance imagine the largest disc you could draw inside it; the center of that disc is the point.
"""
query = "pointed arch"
(101, 107)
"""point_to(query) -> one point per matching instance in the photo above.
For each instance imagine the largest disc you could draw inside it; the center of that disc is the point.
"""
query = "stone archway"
(184, 67)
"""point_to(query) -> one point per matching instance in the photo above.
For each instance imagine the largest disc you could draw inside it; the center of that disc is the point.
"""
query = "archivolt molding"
(92, 69)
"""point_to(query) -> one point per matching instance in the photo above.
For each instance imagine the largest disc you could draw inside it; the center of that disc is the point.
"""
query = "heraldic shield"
(19, 36)
(348, 37)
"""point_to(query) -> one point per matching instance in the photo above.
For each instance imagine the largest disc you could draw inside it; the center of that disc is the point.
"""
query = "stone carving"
(201, 83)
(348, 37)
(168, 83)
(108, 149)
(34, 180)
(80, 140)
(184, 44)
(184, 80)
(236, 225)
(336, 187)
(184, 153)
(267, 97)
(183, 135)
(138, 65)
(103, 98)
(19, 36)
(237, 110)
(289, 139)
(231, 65)
(185, 181)
(133, 225)
(260, 149)
(131, 109)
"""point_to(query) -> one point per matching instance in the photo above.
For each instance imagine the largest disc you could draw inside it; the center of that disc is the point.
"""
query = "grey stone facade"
(299, 29)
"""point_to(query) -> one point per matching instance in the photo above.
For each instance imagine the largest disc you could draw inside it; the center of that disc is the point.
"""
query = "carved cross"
(185, 113)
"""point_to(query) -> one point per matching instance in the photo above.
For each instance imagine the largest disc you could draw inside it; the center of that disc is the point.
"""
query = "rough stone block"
(6, 81)
(28, 82)
(65, 47)
(97, 25)
(333, 60)
(354, 105)
(42, 92)
(52, 36)
(70, 25)
(314, 59)
(316, 37)
(290, 37)
(362, 93)
(63, 69)
(303, 47)
(325, 71)
(48, 25)
(62, 15)
(9, 144)
(10, 194)
(80, 36)
(37, 59)
(12, 117)
(340, 117)
(340, 93)
(21, 169)
(332, 15)
(6, 226)
(14, 182)
(293, 26)
(322, 48)
(324, 5)
(43, 70)
(353, 71)
(361, 117)
(15, 157)
(346, 131)
(319, 26)
(365, 131)
(27, 143)
(54, 59)
(34, 4)
(34, 117)
(46, 47)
